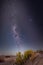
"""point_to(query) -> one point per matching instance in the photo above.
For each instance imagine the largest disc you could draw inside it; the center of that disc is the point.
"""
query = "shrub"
(19, 60)
(27, 54)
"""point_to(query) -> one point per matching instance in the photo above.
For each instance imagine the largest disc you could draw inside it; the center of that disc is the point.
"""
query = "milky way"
(21, 25)
(17, 38)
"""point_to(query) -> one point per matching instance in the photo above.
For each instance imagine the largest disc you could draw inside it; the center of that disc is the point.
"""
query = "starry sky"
(21, 25)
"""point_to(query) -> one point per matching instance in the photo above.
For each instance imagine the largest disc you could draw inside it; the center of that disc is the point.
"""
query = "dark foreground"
(37, 61)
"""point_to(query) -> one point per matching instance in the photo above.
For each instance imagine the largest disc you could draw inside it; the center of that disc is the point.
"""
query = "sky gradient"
(21, 26)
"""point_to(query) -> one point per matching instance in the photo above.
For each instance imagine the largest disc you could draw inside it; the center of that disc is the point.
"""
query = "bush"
(19, 60)
(27, 54)
(40, 51)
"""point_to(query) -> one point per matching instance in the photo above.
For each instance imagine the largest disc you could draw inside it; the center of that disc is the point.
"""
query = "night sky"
(21, 25)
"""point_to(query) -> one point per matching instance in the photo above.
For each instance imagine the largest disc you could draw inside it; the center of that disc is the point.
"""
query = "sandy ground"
(8, 61)
(37, 61)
